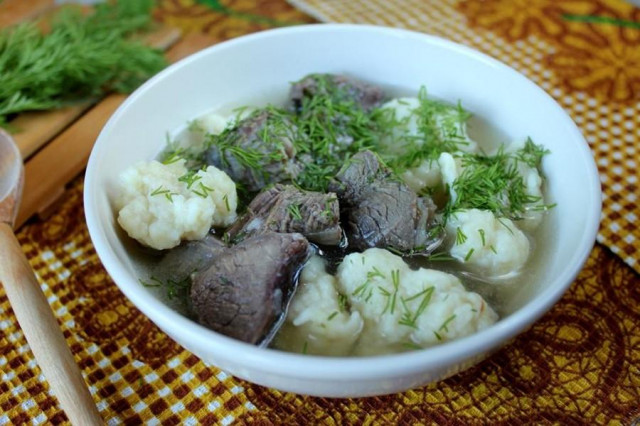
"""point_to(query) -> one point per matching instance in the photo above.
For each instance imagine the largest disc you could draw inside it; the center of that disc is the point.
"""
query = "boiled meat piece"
(182, 262)
(256, 151)
(245, 291)
(381, 211)
(285, 208)
(339, 88)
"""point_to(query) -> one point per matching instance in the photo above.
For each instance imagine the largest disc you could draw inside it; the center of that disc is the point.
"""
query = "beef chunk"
(182, 262)
(339, 88)
(257, 150)
(245, 291)
(381, 211)
(284, 208)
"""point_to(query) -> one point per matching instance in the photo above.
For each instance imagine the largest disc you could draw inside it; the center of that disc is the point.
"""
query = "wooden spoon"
(29, 303)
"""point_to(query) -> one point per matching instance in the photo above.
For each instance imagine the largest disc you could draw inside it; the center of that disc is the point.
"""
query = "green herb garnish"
(161, 191)
(460, 236)
(79, 58)
(482, 237)
(409, 318)
(294, 211)
(189, 178)
(446, 323)
(202, 190)
(469, 254)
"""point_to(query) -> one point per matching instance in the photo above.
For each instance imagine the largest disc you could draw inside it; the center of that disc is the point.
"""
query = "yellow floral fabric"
(580, 364)
(584, 53)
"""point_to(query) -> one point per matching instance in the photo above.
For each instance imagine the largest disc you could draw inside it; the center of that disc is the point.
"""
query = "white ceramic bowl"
(261, 66)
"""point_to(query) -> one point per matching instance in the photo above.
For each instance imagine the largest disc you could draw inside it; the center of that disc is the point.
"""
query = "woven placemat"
(578, 365)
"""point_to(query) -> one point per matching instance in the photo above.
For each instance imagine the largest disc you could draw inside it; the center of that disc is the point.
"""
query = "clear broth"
(502, 294)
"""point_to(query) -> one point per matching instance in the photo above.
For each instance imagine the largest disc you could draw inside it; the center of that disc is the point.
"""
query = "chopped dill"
(294, 211)
(409, 318)
(202, 190)
(440, 257)
(190, 178)
(362, 289)
(328, 212)
(493, 182)
(531, 154)
(446, 323)
(305, 347)
(225, 198)
(440, 129)
(332, 316)
(195, 126)
(438, 336)
(173, 156)
(387, 294)
(375, 272)
(154, 282)
(167, 193)
(460, 236)
(395, 280)
(411, 345)
(175, 290)
(250, 158)
(343, 302)
(391, 297)
(482, 237)
(493, 249)
(469, 254)
(335, 126)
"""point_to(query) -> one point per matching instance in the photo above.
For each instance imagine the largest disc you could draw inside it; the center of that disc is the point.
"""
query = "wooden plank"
(66, 156)
(16, 11)
(191, 43)
(35, 129)
(63, 158)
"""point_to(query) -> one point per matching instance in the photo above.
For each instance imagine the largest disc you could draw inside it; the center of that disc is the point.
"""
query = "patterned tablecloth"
(580, 364)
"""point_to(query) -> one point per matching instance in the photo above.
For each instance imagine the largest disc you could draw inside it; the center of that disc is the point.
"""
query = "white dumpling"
(316, 322)
(161, 205)
(404, 308)
(492, 246)
(407, 134)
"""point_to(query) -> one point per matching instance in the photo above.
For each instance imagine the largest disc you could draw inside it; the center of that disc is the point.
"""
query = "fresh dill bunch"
(494, 183)
(80, 57)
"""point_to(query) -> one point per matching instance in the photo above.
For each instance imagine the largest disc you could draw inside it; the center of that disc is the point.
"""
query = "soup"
(388, 226)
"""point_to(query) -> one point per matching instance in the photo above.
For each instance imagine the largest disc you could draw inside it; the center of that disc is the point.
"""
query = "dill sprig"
(446, 323)
(81, 57)
(163, 191)
(440, 129)
(391, 297)
(175, 290)
(294, 211)
(336, 128)
(493, 182)
(410, 317)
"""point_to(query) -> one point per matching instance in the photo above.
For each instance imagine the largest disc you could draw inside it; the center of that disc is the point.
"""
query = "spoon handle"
(43, 333)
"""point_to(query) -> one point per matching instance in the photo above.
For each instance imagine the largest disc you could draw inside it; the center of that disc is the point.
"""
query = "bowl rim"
(341, 368)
